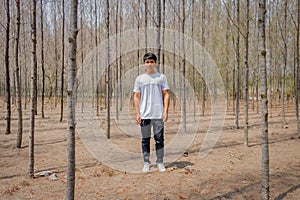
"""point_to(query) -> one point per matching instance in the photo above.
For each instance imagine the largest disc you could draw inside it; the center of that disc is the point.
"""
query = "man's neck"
(151, 72)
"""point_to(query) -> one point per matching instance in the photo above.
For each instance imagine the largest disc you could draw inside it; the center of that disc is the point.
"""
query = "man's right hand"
(138, 119)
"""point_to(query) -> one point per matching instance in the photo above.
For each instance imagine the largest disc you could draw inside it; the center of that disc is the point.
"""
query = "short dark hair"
(150, 56)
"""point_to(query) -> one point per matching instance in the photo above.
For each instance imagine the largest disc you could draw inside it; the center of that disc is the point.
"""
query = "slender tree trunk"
(96, 61)
(8, 102)
(246, 83)
(120, 59)
(203, 46)
(107, 72)
(163, 35)
(71, 94)
(284, 67)
(42, 60)
(297, 69)
(81, 43)
(264, 100)
(33, 89)
(62, 62)
(117, 53)
(183, 70)
(227, 61)
(146, 24)
(56, 56)
(174, 57)
(158, 43)
(237, 110)
(193, 61)
(91, 48)
(18, 88)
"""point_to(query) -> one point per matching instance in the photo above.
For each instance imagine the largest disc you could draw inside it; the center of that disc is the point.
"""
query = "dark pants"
(158, 131)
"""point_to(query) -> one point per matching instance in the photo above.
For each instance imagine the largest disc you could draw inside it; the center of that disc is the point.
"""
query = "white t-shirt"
(151, 88)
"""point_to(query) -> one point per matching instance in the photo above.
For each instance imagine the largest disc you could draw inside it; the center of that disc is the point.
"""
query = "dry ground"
(230, 171)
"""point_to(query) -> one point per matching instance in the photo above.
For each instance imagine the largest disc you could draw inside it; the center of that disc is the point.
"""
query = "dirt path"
(230, 171)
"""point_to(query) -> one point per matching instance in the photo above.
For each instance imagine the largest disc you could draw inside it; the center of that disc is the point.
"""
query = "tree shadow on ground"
(180, 164)
(292, 189)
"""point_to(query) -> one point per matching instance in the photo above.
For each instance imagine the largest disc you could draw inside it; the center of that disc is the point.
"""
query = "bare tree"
(96, 60)
(297, 69)
(71, 101)
(32, 89)
(62, 62)
(108, 79)
(284, 37)
(42, 59)
(81, 44)
(8, 102)
(146, 24)
(183, 98)
(158, 43)
(237, 109)
(246, 83)
(55, 54)
(18, 88)
(203, 46)
(264, 100)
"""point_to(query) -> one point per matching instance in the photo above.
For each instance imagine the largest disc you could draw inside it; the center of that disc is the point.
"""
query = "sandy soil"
(230, 171)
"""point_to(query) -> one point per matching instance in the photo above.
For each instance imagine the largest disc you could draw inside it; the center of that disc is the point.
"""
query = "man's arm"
(166, 99)
(136, 103)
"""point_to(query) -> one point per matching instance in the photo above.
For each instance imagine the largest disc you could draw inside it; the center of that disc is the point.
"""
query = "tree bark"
(71, 94)
(203, 46)
(62, 62)
(158, 43)
(297, 69)
(33, 89)
(183, 70)
(284, 67)
(42, 60)
(264, 100)
(237, 109)
(108, 79)
(8, 102)
(55, 55)
(81, 44)
(18, 88)
(246, 83)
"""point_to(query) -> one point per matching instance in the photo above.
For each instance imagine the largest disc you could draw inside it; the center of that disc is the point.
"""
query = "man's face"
(150, 65)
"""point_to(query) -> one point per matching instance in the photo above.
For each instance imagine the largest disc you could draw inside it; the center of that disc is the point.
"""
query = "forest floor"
(230, 171)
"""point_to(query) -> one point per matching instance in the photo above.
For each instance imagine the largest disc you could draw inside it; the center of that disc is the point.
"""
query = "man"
(151, 102)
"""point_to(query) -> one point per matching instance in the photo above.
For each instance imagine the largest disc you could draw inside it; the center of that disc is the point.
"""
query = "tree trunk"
(96, 61)
(18, 88)
(81, 43)
(55, 55)
(146, 24)
(193, 62)
(71, 94)
(297, 70)
(108, 89)
(264, 100)
(237, 109)
(183, 70)
(62, 62)
(8, 102)
(227, 61)
(42, 60)
(33, 90)
(284, 67)
(158, 43)
(163, 35)
(203, 46)
(246, 83)
(117, 53)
